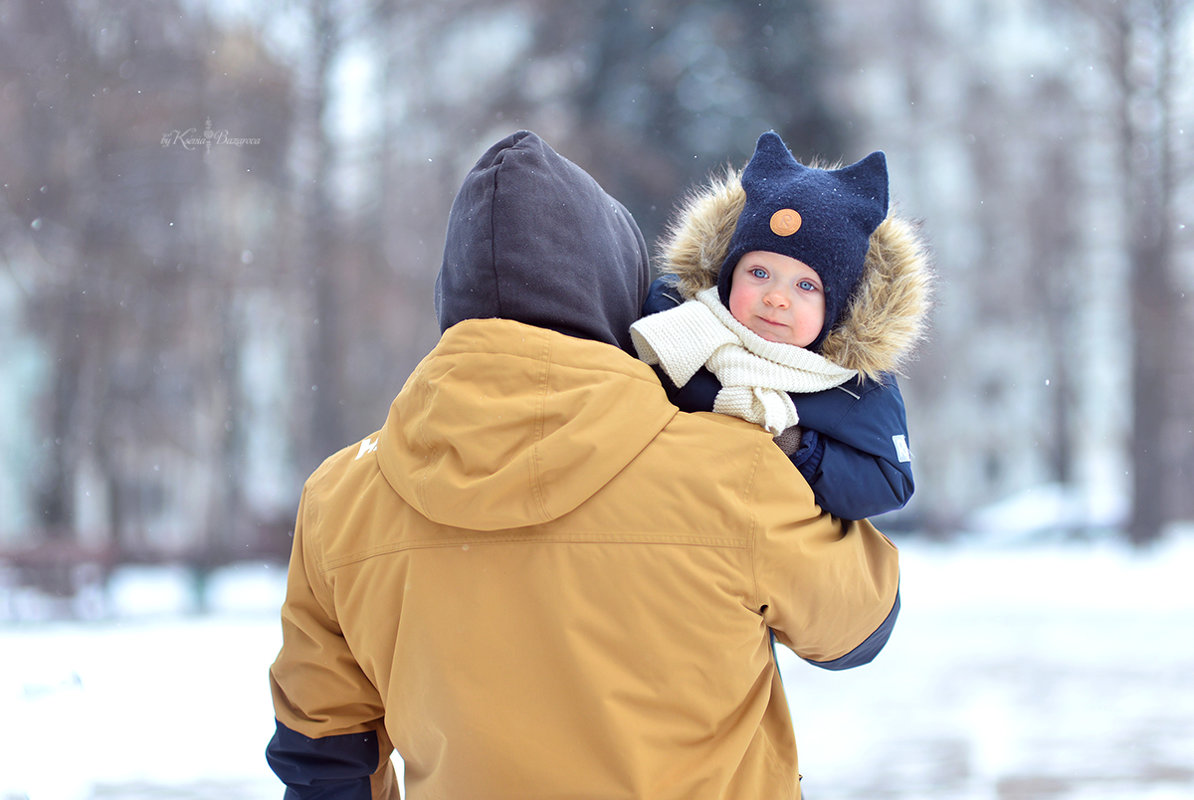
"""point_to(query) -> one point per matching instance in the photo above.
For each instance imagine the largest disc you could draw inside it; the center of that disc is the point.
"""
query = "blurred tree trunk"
(1142, 37)
(47, 27)
(325, 433)
(1052, 228)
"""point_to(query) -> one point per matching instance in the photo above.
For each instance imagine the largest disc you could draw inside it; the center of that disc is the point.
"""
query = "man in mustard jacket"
(539, 578)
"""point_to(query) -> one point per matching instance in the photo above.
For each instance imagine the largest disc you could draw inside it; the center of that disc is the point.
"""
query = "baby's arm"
(854, 449)
(662, 295)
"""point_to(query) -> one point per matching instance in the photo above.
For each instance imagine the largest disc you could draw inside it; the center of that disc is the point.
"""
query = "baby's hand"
(789, 440)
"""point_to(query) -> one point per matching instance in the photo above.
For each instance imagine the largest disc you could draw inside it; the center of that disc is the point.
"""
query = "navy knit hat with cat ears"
(821, 217)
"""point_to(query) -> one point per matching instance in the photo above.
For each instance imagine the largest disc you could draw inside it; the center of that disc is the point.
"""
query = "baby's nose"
(777, 298)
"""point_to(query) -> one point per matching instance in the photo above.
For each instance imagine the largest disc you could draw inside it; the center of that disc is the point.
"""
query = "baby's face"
(778, 298)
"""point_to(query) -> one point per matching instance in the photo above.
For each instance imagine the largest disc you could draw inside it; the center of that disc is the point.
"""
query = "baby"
(791, 298)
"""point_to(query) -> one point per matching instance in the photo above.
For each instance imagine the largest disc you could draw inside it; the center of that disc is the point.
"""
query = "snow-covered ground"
(1047, 671)
(1060, 672)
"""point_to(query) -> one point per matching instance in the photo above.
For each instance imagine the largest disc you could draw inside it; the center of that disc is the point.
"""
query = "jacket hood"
(504, 425)
(533, 238)
(885, 319)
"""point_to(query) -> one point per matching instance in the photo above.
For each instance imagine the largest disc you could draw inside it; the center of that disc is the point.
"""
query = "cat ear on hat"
(771, 155)
(868, 179)
(770, 145)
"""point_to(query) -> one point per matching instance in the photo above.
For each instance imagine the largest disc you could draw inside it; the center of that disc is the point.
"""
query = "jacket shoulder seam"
(722, 542)
(312, 551)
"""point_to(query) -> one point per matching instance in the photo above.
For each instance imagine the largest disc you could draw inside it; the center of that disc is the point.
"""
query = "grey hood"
(533, 238)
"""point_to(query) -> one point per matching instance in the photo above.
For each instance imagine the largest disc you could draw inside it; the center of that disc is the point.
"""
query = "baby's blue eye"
(759, 272)
(807, 286)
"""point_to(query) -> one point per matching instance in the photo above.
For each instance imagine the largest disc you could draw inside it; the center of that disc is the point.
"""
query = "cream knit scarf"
(755, 374)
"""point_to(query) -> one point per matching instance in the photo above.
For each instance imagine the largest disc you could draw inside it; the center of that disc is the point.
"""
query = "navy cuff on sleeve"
(865, 652)
(808, 455)
(329, 768)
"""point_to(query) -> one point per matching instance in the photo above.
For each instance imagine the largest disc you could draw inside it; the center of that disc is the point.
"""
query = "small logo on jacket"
(367, 446)
(901, 447)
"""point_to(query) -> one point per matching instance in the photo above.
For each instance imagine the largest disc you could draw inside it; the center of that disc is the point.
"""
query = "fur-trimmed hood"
(888, 314)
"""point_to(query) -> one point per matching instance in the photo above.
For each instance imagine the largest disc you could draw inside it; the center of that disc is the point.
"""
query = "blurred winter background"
(220, 223)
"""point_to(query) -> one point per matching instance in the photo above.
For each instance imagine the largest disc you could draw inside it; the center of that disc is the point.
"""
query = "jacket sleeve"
(854, 450)
(661, 295)
(330, 741)
(828, 588)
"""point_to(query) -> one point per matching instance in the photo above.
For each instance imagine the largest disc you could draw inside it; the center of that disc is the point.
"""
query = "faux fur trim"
(887, 317)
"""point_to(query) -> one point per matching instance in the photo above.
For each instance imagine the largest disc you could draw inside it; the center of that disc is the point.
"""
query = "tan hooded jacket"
(540, 579)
